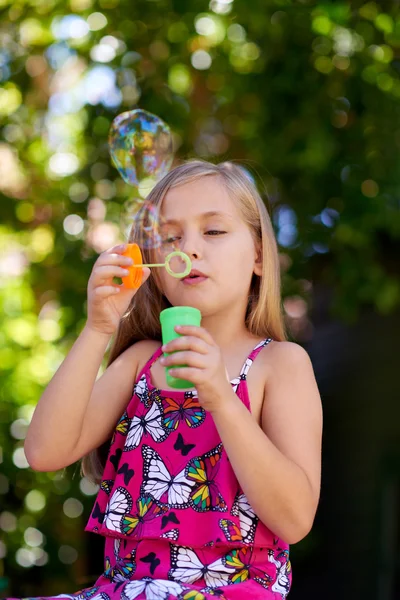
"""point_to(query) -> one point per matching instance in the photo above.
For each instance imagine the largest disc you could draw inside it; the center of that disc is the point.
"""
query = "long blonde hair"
(264, 316)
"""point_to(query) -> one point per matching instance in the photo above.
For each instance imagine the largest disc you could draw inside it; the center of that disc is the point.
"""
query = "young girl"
(201, 490)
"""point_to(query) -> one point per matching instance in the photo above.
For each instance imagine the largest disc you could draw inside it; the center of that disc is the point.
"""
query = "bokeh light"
(33, 537)
(8, 521)
(67, 554)
(35, 501)
(96, 21)
(87, 487)
(19, 459)
(72, 508)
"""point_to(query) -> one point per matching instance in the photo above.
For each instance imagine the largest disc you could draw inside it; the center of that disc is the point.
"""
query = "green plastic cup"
(169, 318)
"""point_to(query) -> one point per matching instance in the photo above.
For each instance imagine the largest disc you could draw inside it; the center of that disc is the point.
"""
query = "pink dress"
(176, 522)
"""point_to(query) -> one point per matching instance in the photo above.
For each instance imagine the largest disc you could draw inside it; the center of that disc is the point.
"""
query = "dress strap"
(240, 383)
(250, 359)
(148, 364)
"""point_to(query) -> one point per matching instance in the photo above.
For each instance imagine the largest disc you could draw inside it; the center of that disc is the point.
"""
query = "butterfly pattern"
(153, 561)
(172, 534)
(106, 485)
(187, 567)
(127, 473)
(182, 447)
(176, 523)
(160, 484)
(202, 471)
(153, 589)
(231, 530)
(122, 570)
(145, 424)
(240, 559)
(187, 410)
(247, 518)
(119, 518)
(121, 427)
(141, 391)
(283, 579)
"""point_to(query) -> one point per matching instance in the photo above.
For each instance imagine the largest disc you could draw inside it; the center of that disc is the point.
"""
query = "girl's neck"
(226, 333)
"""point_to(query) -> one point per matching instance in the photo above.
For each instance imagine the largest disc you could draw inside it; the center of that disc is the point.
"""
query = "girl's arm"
(278, 466)
(54, 438)
(75, 413)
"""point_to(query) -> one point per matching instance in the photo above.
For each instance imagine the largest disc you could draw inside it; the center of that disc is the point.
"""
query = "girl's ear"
(258, 261)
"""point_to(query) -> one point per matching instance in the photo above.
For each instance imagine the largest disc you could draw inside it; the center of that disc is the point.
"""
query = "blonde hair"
(264, 316)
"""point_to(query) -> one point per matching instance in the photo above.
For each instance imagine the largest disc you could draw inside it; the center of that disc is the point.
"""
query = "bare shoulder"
(283, 355)
(130, 362)
(143, 351)
(288, 365)
(144, 346)
(136, 353)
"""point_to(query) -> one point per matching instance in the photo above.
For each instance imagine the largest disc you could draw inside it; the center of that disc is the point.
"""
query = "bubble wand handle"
(146, 265)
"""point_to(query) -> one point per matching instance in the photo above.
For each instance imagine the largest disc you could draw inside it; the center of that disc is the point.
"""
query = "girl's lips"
(193, 280)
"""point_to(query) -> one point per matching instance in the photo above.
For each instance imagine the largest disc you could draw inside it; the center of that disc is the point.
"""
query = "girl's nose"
(191, 253)
(190, 246)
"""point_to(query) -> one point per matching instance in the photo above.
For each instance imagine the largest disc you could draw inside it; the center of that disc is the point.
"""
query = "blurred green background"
(306, 95)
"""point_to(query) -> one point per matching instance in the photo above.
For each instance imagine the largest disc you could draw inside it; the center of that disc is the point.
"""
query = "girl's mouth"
(194, 279)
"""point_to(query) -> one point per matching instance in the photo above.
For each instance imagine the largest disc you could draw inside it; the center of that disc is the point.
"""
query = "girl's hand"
(108, 301)
(205, 366)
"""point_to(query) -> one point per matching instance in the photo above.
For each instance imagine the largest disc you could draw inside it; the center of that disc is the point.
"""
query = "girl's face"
(200, 219)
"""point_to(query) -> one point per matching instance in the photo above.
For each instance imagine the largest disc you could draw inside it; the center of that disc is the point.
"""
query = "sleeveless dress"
(176, 523)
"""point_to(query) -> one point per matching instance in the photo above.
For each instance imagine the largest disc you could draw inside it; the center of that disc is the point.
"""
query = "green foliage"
(305, 94)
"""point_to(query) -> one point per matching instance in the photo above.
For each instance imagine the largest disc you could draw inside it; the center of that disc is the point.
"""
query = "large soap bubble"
(141, 148)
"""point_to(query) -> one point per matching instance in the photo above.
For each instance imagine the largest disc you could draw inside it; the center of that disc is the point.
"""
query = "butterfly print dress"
(176, 523)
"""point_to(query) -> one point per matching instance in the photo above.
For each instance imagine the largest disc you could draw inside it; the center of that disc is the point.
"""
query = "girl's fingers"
(118, 248)
(191, 359)
(187, 342)
(114, 259)
(102, 273)
(106, 290)
(198, 332)
(187, 373)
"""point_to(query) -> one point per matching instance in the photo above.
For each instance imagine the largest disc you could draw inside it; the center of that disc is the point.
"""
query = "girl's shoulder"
(144, 350)
(278, 355)
(285, 351)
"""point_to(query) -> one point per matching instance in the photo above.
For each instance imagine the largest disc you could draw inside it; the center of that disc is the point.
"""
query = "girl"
(201, 490)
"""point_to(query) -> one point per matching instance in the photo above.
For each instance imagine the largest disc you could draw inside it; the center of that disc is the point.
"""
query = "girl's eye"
(169, 240)
(172, 239)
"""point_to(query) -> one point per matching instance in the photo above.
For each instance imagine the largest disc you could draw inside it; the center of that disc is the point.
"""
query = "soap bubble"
(140, 145)
(143, 225)
(144, 219)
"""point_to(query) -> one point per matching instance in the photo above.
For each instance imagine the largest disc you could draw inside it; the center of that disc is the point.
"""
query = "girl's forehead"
(190, 200)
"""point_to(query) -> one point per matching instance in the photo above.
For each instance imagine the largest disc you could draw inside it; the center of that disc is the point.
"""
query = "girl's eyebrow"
(202, 216)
